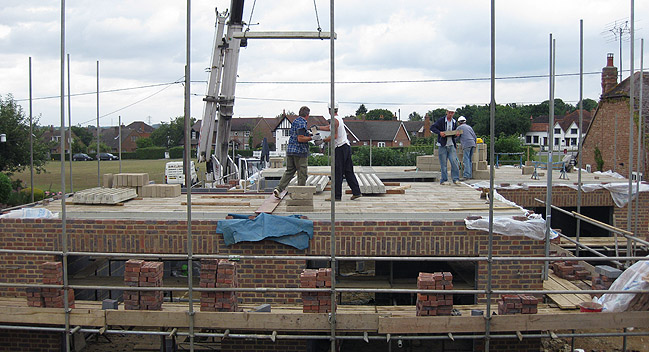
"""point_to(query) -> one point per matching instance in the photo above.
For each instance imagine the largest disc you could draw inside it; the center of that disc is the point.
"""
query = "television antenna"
(618, 31)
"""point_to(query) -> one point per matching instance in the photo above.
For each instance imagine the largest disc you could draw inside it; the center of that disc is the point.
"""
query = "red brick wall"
(601, 134)
(42, 341)
(366, 238)
(509, 345)
(567, 197)
(246, 345)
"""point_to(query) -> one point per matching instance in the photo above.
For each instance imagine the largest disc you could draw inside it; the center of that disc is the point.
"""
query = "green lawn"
(84, 173)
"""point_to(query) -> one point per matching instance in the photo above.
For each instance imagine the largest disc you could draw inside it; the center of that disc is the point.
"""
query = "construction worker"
(344, 164)
(468, 140)
(447, 147)
(297, 152)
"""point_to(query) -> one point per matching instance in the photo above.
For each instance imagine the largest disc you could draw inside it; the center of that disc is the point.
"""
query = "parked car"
(107, 156)
(81, 157)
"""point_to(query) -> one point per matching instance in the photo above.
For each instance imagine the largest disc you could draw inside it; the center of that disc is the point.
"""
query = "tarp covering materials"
(289, 230)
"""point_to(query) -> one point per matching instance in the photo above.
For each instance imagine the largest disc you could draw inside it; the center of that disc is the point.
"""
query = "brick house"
(52, 137)
(110, 137)
(609, 129)
(378, 133)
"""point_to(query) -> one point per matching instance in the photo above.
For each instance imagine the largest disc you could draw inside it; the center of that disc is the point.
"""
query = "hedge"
(150, 153)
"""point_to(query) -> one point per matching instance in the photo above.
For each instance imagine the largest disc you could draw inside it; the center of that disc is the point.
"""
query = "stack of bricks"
(517, 304)
(138, 273)
(569, 270)
(301, 198)
(434, 303)
(316, 302)
(50, 297)
(161, 191)
(214, 274)
(603, 278)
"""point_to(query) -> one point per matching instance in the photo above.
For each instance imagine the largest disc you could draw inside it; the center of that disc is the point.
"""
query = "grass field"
(84, 173)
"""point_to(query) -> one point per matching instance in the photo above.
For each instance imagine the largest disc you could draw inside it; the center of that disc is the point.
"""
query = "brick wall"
(32, 341)
(601, 134)
(567, 197)
(245, 345)
(366, 238)
(509, 345)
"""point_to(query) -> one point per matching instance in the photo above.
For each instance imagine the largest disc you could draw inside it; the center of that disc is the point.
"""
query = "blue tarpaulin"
(288, 230)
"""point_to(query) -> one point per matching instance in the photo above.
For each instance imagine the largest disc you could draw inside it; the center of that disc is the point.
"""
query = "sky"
(404, 56)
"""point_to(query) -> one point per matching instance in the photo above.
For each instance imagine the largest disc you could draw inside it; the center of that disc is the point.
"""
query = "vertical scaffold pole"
(581, 128)
(548, 200)
(64, 237)
(332, 148)
(629, 243)
(188, 179)
(492, 133)
(639, 167)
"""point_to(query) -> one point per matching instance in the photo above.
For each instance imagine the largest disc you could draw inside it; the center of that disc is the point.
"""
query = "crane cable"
(316, 16)
(251, 12)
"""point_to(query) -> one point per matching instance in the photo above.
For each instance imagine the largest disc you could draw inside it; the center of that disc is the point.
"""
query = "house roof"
(377, 130)
(109, 135)
(140, 127)
(540, 123)
(622, 90)
(413, 126)
(311, 121)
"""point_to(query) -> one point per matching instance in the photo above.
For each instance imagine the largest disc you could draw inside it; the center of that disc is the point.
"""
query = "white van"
(174, 173)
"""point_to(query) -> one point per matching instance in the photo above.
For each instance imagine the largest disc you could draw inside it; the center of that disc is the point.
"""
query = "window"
(193, 134)
(401, 144)
(536, 139)
(274, 135)
(557, 131)
(286, 133)
(380, 144)
(528, 139)
(246, 146)
(284, 146)
(134, 138)
(556, 141)
(246, 133)
(235, 133)
(364, 143)
(573, 131)
(574, 141)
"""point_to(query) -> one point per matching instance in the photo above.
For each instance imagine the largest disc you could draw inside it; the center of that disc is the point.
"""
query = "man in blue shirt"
(447, 146)
(468, 140)
(297, 152)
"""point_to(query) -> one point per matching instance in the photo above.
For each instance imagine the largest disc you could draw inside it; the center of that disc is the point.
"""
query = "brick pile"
(603, 278)
(139, 273)
(435, 303)
(219, 273)
(570, 270)
(517, 304)
(50, 297)
(316, 302)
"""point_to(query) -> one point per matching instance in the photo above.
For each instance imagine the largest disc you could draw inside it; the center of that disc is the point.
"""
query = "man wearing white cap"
(447, 146)
(468, 140)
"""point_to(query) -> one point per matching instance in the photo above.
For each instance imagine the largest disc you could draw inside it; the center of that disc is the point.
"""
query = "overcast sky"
(439, 47)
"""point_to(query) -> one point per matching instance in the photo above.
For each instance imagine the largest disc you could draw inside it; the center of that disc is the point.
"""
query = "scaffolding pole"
(629, 244)
(581, 128)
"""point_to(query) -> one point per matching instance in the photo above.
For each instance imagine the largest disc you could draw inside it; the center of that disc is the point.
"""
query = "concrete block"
(301, 196)
(109, 304)
(265, 308)
(482, 165)
(107, 180)
(528, 170)
(301, 189)
(608, 271)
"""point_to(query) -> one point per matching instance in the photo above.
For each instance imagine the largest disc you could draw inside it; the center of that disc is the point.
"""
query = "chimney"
(427, 132)
(609, 74)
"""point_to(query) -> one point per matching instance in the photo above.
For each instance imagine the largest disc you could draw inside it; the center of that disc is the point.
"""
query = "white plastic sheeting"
(533, 228)
(30, 213)
(619, 190)
(631, 279)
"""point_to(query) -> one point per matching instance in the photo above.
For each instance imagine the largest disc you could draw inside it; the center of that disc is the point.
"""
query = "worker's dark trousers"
(345, 166)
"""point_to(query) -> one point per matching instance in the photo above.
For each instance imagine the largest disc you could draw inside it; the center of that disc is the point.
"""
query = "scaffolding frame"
(333, 337)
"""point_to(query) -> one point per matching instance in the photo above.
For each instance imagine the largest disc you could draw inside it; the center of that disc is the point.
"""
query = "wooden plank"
(227, 196)
(483, 208)
(269, 205)
(33, 315)
(567, 300)
(518, 322)
(391, 184)
(567, 285)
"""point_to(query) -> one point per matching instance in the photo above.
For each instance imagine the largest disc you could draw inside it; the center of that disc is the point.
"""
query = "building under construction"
(500, 263)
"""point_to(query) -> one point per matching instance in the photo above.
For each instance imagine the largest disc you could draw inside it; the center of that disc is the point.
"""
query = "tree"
(362, 110)
(14, 154)
(144, 142)
(589, 104)
(84, 134)
(379, 114)
(170, 134)
(78, 146)
(103, 148)
(414, 116)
